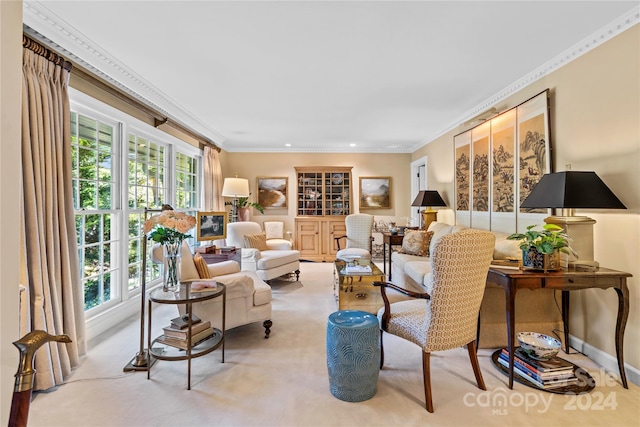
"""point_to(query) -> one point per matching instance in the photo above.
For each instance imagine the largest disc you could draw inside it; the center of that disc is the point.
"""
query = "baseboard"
(604, 359)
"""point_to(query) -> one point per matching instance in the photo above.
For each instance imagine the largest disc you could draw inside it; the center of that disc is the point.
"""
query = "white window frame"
(106, 316)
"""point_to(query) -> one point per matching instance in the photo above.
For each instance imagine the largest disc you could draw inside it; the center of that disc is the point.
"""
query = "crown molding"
(79, 49)
(45, 26)
(585, 45)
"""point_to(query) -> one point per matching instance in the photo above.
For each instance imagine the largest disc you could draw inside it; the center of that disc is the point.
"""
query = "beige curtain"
(213, 200)
(49, 266)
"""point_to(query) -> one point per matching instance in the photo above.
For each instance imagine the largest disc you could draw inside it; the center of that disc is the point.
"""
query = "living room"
(594, 126)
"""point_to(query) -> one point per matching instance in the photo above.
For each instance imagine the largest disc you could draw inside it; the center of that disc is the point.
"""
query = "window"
(147, 188)
(120, 167)
(94, 162)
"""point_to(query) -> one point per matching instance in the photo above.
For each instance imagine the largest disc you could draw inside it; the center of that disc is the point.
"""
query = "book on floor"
(182, 322)
(544, 384)
(182, 344)
(540, 376)
(553, 364)
(172, 331)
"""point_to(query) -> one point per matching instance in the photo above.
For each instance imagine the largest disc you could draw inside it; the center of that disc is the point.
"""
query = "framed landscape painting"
(375, 192)
(211, 226)
(272, 192)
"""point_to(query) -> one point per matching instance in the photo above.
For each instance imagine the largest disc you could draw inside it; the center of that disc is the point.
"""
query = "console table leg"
(621, 323)
(565, 319)
(510, 294)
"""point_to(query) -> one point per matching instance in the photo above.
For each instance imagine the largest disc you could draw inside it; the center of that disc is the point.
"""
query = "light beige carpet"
(283, 381)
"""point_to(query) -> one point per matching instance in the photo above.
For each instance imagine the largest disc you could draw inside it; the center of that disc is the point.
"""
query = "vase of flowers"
(170, 228)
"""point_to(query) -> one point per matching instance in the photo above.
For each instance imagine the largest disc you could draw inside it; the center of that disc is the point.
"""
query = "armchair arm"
(337, 239)
(387, 306)
(252, 254)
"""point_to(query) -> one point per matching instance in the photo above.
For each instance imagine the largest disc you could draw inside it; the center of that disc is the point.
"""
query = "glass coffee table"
(353, 286)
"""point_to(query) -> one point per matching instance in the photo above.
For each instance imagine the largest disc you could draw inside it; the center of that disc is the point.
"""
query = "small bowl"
(539, 346)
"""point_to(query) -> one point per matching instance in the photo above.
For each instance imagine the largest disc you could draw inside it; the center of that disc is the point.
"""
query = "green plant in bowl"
(547, 240)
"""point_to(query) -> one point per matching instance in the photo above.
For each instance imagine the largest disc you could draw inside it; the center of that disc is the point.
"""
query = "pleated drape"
(49, 258)
(213, 200)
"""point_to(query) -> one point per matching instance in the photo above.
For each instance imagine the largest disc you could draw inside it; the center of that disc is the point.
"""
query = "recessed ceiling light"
(287, 145)
(352, 145)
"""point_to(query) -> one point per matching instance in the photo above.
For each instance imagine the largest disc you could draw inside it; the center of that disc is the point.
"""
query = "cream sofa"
(535, 310)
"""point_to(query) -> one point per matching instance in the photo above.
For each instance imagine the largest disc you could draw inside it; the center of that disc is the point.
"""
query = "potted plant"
(243, 207)
(541, 247)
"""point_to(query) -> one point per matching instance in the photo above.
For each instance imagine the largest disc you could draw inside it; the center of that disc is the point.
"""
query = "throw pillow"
(201, 266)
(257, 241)
(416, 242)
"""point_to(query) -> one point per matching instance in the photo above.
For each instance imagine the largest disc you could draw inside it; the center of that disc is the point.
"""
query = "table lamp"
(428, 198)
(235, 187)
(571, 190)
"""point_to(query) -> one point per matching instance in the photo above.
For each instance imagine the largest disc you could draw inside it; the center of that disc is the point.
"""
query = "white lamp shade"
(235, 187)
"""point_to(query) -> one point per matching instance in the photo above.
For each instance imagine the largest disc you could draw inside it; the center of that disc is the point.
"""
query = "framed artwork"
(375, 192)
(272, 192)
(211, 226)
(497, 164)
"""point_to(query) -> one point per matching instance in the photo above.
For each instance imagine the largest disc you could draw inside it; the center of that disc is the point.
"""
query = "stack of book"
(545, 374)
(175, 334)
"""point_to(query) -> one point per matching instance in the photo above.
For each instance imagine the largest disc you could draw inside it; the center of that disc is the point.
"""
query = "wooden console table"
(512, 280)
(389, 240)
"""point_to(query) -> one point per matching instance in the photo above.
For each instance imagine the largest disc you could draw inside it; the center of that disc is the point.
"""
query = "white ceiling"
(386, 76)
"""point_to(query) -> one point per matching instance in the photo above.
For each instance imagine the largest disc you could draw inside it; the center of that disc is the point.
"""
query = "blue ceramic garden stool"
(353, 354)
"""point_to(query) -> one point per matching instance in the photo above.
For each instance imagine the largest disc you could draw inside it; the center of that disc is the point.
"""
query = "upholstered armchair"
(274, 232)
(248, 296)
(446, 317)
(358, 239)
(257, 256)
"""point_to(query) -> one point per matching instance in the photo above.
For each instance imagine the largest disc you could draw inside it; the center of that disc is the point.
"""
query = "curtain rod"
(32, 45)
(96, 81)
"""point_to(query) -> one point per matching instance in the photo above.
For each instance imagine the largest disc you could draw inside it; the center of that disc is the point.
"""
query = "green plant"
(547, 240)
(243, 202)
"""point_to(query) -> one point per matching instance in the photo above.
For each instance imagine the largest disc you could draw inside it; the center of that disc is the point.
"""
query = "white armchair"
(257, 256)
(248, 296)
(274, 231)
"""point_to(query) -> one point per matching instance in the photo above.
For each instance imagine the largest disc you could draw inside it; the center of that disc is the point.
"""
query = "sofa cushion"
(417, 270)
(439, 229)
(507, 248)
(416, 242)
(273, 259)
(257, 241)
(238, 285)
(201, 266)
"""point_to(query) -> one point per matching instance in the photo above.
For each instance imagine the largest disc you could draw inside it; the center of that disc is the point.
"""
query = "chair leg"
(473, 357)
(426, 373)
(267, 327)
(381, 350)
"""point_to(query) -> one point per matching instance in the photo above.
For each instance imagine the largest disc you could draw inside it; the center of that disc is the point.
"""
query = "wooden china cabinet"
(323, 200)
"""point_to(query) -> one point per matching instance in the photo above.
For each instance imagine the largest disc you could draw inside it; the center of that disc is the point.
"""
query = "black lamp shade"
(570, 190)
(428, 198)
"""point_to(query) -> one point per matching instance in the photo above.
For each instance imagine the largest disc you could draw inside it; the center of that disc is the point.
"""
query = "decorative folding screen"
(498, 163)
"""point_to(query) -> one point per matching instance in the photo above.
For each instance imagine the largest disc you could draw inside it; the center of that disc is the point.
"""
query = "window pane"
(93, 162)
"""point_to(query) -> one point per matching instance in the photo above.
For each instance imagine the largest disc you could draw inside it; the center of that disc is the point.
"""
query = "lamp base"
(140, 361)
(428, 216)
(580, 230)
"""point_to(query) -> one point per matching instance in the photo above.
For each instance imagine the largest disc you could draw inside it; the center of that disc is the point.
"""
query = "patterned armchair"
(358, 238)
(447, 316)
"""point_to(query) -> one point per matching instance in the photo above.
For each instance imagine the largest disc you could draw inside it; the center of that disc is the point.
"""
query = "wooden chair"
(445, 317)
